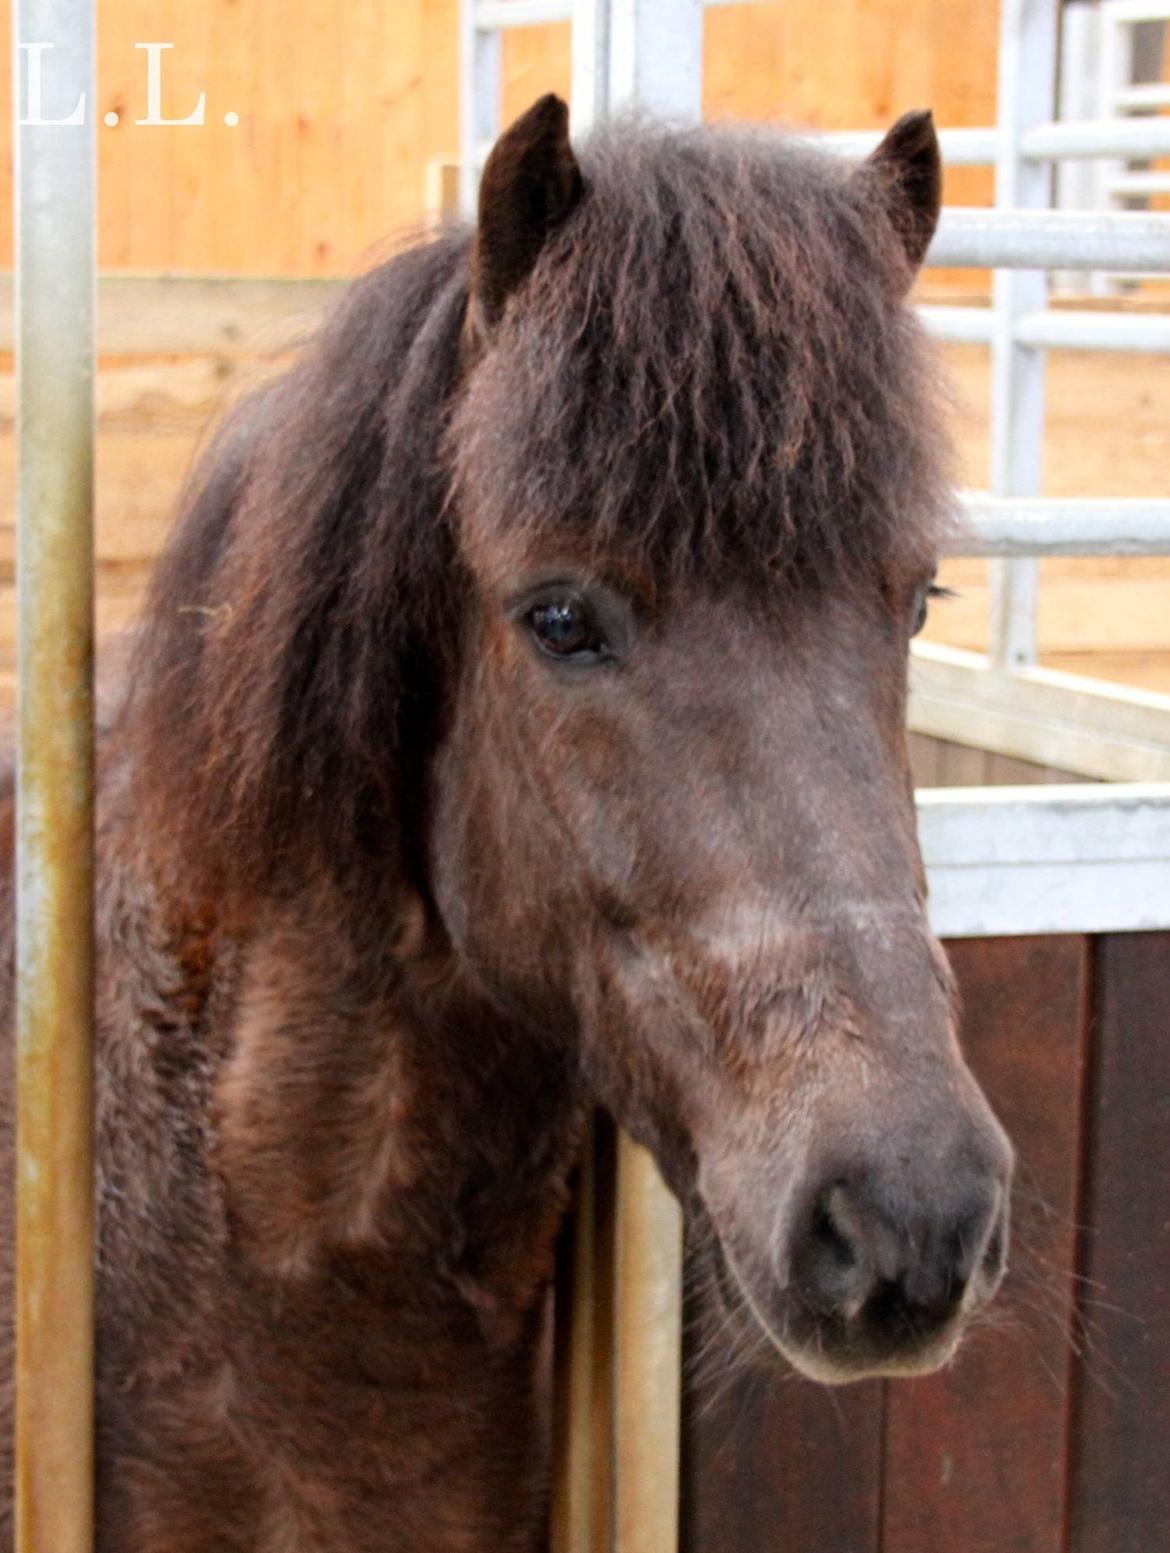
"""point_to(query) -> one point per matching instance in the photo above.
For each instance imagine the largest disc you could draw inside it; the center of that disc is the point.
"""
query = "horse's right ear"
(908, 166)
(530, 184)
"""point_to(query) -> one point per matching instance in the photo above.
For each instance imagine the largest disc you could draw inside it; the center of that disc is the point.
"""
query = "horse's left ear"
(909, 167)
(530, 184)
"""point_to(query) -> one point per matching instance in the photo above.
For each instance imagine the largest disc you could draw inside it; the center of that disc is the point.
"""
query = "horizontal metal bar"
(958, 325)
(1097, 137)
(1130, 11)
(1152, 94)
(1114, 733)
(1074, 139)
(1055, 328)
(1040, 240)
(960, 147)
(1038, 526)
(1141, 184)
(502, 15)
(1063, 859)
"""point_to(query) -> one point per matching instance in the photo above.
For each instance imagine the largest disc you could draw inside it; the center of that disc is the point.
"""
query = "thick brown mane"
(706, 371)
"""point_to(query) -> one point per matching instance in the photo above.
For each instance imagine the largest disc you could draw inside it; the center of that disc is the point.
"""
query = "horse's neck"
(389, 1160)
(366, 1110)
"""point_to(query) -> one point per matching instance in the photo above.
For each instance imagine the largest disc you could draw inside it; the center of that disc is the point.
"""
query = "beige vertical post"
(582, 1498)
(54, 104)
(648, 1356)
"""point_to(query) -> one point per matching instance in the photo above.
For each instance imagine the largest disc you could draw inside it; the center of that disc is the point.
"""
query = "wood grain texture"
(780, 1465)
(342, 108)
(975, 1457)
(1121, 1457)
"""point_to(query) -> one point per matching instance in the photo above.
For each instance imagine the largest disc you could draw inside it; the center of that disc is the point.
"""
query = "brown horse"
(517, 724)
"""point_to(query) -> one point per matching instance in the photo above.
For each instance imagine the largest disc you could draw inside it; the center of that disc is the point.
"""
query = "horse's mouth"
(822, 1349)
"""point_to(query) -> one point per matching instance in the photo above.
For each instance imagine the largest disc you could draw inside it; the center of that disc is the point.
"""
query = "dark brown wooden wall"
(1051, 1433)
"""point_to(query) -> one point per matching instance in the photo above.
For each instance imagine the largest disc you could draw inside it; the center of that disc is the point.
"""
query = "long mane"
(710, 370)
(712, 367)
(291, 651)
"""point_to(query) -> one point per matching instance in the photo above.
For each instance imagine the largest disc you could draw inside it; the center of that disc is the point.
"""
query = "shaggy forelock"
(712, 367)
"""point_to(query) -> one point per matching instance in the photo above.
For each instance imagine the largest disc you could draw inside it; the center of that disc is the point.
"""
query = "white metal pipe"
(54, 227)
(479, 100)
(501, 15)
(1055, 329)
(1067, 330)
(656, 56)
(1039, 526)
(960, 147)
(1142, 182)
(1055, 141)
(1148, 95)
(1130, 11)
(590, 60)
(1026, 97)
(1097, 138)
(959, 325)
(1129, 241)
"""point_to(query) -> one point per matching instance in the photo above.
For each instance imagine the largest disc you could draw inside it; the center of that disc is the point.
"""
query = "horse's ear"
(909, 167)
(530, 184)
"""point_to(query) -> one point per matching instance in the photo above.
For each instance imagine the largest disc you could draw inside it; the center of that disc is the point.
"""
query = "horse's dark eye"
(922, 607)
(566, 628)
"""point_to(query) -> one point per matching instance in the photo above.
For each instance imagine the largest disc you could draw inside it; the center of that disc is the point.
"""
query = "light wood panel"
(342, 110)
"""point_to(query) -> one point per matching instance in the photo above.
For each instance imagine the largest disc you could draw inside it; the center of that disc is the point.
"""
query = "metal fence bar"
(647, 1357)
(479, 98)
(500, 15)
(1052, 142)
(1097, 138)
(1027, 96)
(1058, 239)
(1041, 526)
(656, 56)
(1055, 329)
(54, 222)
(583, 1383)
(590, 64)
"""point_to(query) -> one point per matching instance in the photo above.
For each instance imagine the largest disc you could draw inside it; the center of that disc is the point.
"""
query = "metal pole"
(1027, 96)
(480, 59)
(656, 56)
(54, 222)
(590, 95)
(648, 1356)
(583, 1381)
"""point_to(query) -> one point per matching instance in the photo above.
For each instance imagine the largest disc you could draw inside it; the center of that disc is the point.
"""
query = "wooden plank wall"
(1051, 1433)
(343, 109)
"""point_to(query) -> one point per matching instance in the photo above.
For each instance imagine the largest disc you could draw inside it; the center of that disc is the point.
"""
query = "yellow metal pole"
(648, 1356)
(54, 102)
(582, 1494)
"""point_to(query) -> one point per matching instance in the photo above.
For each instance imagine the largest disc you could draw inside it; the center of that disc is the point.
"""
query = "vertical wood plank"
(925, 759)
(1121, 1457)
(963, 766)
(975, 1457)
(775, 1464)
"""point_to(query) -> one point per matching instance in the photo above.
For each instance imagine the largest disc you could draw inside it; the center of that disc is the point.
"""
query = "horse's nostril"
(899, 1277)
(832, 1236)
(833, 1262)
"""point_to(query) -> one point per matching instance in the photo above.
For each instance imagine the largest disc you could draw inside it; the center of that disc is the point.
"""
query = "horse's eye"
(933, 591)
(566, 628)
